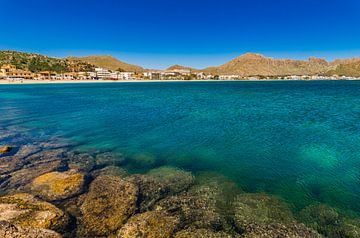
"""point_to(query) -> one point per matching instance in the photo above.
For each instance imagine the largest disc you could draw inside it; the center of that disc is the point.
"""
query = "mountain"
(255, 64)
(180, 67)
(36, 62)
(108, 62)
(349, 68)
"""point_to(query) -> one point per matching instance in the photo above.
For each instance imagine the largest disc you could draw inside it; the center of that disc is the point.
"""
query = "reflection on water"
(298, 141)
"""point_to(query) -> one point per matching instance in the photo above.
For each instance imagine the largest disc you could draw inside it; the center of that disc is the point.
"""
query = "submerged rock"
(58, 185)
(202, 233)
(108, 204)
(149, 224)
(330, 222)
(110, 170)
(150, 190)
(5, 149)
(27, 211)
(24, 176)
(81, 162)
(108, 159)
(259, 209)
(8, 230)
(276, 230)
(176, 180)
(197, 208)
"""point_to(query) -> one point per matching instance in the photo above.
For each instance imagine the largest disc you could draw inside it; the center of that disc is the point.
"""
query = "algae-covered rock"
(108, 159)
(197, 207)
(108, 204)
(153, 224)
(328, 221)
(110, 170)
(81, 162)
(260, 209)
(5, 149)
(202, 233)
(175, 179)
(8, 230)
(27, 211)
(58, 185)
(277, 230)
(150, 190)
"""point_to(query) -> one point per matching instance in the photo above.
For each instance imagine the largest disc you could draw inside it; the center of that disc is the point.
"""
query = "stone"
(110, 170)
(292, 230)
(107, 206)
(197, 207)
(176, 180)
(58, 185)
(329, 222)
(27, 211)
(81, 162)
(202, 233)
(150, 190)
(152, 224)
(19, 179)
(8, 230)
(108, 159)
(5, 149)
(260, 209)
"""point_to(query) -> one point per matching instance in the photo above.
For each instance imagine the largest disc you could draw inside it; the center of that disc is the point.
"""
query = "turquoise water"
(298, 140)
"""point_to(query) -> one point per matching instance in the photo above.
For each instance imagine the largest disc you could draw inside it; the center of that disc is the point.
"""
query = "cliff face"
(349, 68)
(256, 64)
(108, 62)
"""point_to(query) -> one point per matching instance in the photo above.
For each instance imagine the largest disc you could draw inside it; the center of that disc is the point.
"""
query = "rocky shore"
(48, 190)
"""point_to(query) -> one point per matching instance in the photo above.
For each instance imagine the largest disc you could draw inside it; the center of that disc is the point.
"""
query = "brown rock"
(202, 233)
(8, 230)
(153, 224)
(58, 185)
(109, 203)
(25, 210)
(5, 149)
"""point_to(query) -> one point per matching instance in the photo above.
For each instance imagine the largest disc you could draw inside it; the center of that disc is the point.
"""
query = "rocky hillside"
(108, 62)
(256, 64)
(37, 62)
(180, 67)
(349, 68)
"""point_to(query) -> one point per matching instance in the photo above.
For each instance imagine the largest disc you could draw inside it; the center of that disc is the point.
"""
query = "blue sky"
(159, 33)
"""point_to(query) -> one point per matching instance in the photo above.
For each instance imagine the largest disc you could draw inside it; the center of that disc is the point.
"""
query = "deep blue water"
(298, 140)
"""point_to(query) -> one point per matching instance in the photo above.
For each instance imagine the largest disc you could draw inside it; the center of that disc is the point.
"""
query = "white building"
(102, 73)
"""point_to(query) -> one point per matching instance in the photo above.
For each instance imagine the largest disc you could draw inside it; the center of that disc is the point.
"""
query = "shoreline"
(19, 82)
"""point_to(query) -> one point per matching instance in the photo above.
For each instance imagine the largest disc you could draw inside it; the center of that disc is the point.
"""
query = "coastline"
(19, 82)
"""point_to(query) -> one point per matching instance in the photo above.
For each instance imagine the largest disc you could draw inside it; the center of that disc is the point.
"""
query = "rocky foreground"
(49, 191)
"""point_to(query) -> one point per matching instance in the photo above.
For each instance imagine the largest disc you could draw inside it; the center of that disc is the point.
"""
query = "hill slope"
(350, 68)
(180, 67)
(37, 62)
(108, 62)
(256, 64)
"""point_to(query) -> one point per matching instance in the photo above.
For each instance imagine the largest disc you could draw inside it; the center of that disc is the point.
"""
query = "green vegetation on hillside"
(348, 69)
(36, 63)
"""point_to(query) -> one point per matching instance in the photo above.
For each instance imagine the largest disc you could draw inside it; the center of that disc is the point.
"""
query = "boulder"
(176, 180)
(8, 230)
(81, 162)
(110, 170)
(58, 185)
(149, 224)
(108, 159)
(260, 209)
(5, 149)
(202, 233)
(150, 190)
(107, 206)
(27, 211)
(330, 222)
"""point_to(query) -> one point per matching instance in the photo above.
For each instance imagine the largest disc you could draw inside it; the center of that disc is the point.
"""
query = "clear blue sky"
(159, 33)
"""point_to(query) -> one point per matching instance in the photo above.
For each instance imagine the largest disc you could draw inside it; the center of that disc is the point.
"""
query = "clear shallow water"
(298, 140)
